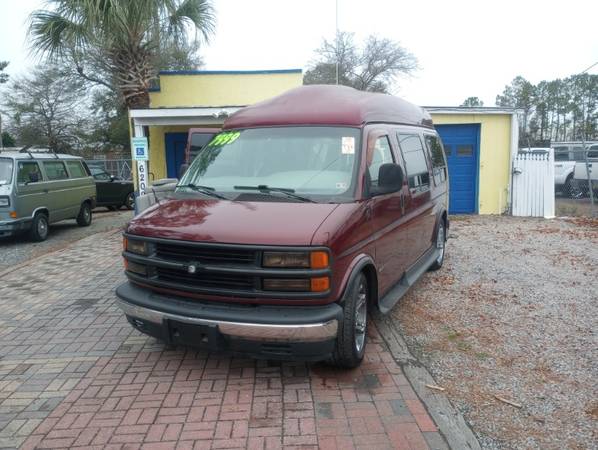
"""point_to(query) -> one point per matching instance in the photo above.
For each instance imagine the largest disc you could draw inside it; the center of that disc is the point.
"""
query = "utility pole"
(336, 38)
(1, 140)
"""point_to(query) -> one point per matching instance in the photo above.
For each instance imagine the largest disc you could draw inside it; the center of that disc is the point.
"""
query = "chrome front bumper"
(306, 332)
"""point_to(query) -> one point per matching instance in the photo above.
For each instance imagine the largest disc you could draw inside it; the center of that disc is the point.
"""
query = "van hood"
(234, 222)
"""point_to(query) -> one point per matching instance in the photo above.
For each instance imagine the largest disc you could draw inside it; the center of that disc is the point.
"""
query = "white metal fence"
(533, 184)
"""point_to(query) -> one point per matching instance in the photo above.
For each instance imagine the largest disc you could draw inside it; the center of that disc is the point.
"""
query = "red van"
(305, 212)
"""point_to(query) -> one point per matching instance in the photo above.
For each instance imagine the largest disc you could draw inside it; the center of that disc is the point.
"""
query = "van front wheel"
(39, 227)
(352, 335)
(84, 217)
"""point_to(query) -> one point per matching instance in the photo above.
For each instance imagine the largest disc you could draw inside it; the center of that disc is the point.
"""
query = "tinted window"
(29, 172)
(415, 161)
(55, 170)
(76, 169)
(561, 156)
(381, 154)
(101, 176)
(593, 153)
(438, 161)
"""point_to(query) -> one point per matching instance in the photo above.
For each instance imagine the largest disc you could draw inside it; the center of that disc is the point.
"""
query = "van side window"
(76, 169)
(415, 162)
(55, 170)
(438, 161)
(29, 172)
(381, 154)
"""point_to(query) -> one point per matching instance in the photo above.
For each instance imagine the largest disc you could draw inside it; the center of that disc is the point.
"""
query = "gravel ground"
(514, 313)
(17, 249)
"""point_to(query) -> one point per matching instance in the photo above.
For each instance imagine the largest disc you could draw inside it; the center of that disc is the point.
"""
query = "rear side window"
(380, 155)
(29, 172)
(415, 162)
(438, 161)
(76, 169)
(593, 152)
(55, 170)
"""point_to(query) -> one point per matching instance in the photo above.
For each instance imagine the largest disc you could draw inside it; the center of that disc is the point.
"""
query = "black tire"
(440, 243)
(39, 227)
(112, 208)
(84, 217)
(351, 337)
(571, 188)
(130, 201)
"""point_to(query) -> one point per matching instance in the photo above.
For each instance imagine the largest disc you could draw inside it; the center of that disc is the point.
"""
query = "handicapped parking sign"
(140, 149)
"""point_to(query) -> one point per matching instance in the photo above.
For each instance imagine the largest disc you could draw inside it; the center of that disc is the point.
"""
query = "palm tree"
(125, 36)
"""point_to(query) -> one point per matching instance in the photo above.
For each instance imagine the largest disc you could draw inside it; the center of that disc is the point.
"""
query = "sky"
(464, 47)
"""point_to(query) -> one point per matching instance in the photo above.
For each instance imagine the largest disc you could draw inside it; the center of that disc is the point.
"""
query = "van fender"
(355, 268)
(43, 209)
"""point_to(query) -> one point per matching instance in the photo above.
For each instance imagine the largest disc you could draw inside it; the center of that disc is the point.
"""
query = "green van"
(37, 189)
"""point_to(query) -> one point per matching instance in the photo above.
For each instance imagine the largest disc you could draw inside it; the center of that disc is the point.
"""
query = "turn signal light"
(13, 214)
(319, 260)
(320, 284)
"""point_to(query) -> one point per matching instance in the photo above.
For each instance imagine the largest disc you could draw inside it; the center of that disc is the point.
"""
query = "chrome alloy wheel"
(361, 311)
(440, 241)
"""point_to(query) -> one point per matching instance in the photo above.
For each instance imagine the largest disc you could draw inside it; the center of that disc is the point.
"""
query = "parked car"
(38, 189)
(587, 170)
(113, 192)
(306, 211)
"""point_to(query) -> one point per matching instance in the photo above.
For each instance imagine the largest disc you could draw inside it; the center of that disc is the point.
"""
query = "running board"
(408, 279)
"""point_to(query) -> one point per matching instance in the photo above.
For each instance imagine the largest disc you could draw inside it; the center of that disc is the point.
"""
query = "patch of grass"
(453, 335)
(482, 355)
(463, 346)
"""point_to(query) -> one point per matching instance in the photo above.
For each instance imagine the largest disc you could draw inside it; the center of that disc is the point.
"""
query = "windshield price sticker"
(348, 145)
(225, 138)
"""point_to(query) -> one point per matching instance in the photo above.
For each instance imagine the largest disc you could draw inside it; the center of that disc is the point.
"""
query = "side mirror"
(390, 179)
(112, 178)
(183, 169)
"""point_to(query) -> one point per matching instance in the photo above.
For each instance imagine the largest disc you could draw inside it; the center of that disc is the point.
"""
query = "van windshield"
(6, 166)
(316, 163)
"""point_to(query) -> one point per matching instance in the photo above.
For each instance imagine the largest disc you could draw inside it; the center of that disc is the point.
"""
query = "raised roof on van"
(329, 105)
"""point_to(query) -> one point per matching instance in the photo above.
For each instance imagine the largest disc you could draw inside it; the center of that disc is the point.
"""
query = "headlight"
(313, 260)
(134, 246)
(4, 201)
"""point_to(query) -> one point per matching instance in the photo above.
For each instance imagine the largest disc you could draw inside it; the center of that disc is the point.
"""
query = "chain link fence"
(120, 168)
(576, 179)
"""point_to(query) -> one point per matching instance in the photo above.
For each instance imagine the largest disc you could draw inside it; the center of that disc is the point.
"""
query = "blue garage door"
(462, 147)
(175, 152)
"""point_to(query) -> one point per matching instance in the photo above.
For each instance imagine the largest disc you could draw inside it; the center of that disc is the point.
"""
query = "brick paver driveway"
(74, 373)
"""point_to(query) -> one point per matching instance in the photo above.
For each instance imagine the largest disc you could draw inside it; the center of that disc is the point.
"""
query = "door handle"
(45, 191)
(368, 213)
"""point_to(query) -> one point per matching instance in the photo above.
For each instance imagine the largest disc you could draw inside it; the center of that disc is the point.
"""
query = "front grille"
(205, 255)
(204, 279)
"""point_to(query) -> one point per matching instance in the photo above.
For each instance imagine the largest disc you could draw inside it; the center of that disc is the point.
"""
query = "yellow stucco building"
(479, 142)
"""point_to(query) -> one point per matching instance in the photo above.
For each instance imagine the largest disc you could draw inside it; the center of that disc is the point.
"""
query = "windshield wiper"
(206, 190)
(267, 189)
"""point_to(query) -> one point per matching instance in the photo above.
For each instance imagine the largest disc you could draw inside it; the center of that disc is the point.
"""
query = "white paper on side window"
(348, 145)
